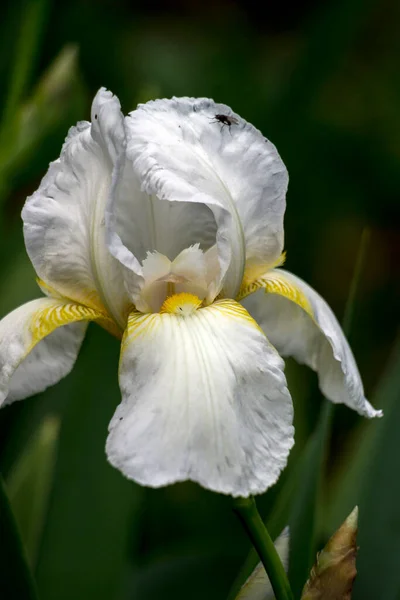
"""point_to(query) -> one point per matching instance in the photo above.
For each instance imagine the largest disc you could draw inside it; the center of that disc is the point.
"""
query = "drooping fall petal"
(204, 398)
(299, 323)
(39, 343)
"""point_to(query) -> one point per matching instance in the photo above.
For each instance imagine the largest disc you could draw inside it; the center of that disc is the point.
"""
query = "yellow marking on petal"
(48, 290)
(255, 270)
(280, 261)
(46, 320)
(144, 324)
(138, 324)
(87, 298)
(182, 304)
(89, 301)
(276, 283)
(233, 309)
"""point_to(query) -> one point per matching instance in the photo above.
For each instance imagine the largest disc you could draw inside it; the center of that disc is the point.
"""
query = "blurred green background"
(321, 80)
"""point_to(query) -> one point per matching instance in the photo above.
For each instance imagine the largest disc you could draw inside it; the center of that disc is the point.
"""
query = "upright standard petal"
(163, 278)
(204, 398)
(179, 151)
(39, 342)
(299, 323)
(64, 219)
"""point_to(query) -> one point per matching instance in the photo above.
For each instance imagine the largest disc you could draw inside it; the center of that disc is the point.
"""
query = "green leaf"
(32, 18)
(27, 38)
(53, 102)
(84, 553)
(348, 488)
(30, 482)
(303, 517)
(27, 146)
(371, 479)
(15, 578)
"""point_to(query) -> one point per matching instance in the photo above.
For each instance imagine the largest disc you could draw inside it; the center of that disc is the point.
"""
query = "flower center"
(186, 280)
(182, 304)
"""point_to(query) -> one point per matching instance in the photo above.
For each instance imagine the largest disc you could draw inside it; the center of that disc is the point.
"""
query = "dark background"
(322, 81)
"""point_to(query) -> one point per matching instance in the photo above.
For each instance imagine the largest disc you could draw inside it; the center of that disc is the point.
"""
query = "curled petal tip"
(373, 413)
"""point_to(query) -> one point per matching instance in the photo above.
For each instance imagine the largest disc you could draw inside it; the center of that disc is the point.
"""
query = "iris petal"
(224, 184)
(299, 323)
(39, 343)
(204, 398)
(64, 219)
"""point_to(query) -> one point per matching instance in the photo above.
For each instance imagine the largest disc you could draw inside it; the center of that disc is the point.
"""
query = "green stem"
(248, 514)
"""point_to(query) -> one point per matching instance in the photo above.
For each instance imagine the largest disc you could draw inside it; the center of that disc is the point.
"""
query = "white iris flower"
(166, 228)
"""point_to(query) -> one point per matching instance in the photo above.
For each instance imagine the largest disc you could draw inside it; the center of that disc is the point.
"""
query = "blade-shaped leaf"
(303, 517)
(85, 544)
(348, 488)
(29, 484)
(33, 15)
(371, 479)
(53, 103)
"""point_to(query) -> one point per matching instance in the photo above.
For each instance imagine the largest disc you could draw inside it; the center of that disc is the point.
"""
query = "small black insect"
(225, 120)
